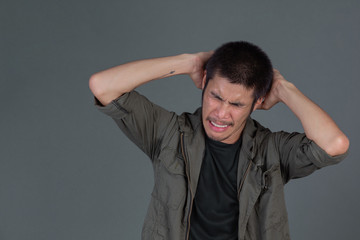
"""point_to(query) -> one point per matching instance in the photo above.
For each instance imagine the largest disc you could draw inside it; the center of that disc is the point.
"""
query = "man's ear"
(203, 80)
(259, 102)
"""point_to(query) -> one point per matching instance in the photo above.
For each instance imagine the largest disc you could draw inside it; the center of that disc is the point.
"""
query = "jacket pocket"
(272, 204)
(170, 179)
(271, 177)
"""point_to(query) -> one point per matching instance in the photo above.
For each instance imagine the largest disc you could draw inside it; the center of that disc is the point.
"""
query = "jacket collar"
(191, 126)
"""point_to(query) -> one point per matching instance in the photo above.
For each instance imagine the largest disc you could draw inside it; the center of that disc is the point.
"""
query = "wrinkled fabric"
(272, 159)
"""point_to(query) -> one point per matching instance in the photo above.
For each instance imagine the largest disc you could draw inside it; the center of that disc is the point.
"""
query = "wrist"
(285, 90)
(185, 63)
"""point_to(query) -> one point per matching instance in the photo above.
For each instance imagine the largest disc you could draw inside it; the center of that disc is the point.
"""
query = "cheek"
(240, 116)
(208, 106)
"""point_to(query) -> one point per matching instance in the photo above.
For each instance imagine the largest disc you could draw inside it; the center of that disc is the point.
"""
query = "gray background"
(67, 172)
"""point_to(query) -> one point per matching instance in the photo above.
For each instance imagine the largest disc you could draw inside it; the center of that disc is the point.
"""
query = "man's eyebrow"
(238, 104)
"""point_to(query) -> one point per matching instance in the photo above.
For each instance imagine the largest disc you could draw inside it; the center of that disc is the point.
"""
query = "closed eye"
(214, 95)
(237, 104)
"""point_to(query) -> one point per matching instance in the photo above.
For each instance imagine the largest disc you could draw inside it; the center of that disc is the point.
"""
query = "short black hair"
(242, 63)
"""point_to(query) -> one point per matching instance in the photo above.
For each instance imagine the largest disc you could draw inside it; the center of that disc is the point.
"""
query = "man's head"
(238, 76)
(242, 63)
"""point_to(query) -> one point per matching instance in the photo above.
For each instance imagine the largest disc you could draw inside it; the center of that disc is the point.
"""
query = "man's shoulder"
(190, 121)
(255, 130)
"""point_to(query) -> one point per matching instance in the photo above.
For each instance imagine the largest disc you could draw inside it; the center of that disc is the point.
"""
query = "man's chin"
(216, 138)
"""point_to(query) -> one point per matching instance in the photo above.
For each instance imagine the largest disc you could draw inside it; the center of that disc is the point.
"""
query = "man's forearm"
(317, 124)
(111, 83)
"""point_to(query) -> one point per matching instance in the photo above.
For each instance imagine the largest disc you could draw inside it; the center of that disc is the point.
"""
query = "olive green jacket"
(175, 145)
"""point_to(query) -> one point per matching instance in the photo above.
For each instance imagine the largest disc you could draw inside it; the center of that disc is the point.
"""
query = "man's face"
(225, 109)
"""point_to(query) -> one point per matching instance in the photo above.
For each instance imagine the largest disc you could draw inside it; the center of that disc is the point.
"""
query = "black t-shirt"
(216, 208)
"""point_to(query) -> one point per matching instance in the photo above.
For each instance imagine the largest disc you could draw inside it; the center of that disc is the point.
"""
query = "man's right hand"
(200, 59)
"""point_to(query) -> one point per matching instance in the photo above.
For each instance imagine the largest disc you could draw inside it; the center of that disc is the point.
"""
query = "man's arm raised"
(317, 124)
(109, 84)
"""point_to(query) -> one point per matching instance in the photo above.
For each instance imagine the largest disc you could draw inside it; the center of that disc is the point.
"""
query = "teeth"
(217, 125)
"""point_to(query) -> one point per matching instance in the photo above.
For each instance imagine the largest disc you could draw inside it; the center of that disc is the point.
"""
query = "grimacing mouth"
(218, 122)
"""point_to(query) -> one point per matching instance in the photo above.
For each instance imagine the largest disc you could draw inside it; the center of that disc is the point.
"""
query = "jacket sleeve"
(300, 156)
(142, 121)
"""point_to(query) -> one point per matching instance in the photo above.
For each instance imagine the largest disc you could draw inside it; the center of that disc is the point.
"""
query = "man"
(218, 173)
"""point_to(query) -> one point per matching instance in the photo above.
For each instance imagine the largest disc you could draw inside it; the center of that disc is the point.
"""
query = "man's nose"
(223, 110)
